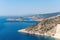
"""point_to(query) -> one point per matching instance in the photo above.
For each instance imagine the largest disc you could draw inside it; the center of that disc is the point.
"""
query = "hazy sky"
(25, 7)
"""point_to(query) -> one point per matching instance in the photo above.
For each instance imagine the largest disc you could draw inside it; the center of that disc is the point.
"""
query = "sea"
(9, 30)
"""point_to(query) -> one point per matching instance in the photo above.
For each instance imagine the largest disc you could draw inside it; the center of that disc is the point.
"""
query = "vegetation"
(47, 26)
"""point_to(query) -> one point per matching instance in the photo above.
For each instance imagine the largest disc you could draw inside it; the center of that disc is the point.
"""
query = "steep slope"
(57, 35)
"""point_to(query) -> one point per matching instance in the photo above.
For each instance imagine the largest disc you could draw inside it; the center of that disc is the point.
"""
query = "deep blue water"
(9, 31)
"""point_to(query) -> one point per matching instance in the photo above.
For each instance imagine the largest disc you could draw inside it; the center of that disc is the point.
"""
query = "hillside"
(45, 27)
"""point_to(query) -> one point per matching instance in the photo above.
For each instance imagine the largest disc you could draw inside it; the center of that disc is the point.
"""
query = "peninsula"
(48, 27)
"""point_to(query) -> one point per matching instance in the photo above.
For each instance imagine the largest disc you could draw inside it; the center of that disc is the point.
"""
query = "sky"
(28, 7)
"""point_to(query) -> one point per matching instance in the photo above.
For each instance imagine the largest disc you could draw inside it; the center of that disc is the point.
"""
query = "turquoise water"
(9, 31)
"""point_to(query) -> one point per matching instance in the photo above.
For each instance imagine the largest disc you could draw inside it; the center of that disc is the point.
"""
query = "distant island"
(48, 27)
(15, 19)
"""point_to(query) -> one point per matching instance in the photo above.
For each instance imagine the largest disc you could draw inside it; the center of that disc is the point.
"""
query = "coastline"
(57, 34)
(23, 31)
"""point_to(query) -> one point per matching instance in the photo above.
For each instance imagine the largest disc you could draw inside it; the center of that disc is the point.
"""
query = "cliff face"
(45, 27)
